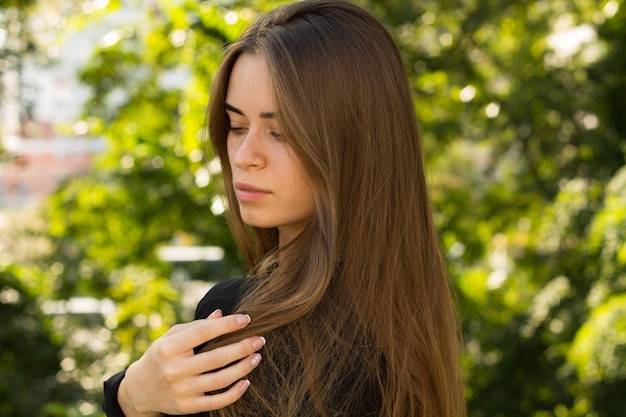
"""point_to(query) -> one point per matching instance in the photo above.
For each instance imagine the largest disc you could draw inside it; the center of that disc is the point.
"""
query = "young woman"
(312, 119)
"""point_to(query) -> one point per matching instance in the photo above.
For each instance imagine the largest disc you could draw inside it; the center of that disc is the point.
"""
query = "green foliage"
(19, 4)
(608, 235)
(29, 352)
(146, 308)
(599, 349)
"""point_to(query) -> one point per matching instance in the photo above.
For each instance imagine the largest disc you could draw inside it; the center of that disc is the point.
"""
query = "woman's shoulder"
(224, 295)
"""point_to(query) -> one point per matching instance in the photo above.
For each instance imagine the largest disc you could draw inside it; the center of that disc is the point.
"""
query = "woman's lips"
(247, 193)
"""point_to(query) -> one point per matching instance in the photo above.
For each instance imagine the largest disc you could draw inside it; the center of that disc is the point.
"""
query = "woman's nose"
(249, 151)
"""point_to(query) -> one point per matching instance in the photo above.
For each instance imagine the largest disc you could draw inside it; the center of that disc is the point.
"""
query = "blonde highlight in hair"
(357, 310)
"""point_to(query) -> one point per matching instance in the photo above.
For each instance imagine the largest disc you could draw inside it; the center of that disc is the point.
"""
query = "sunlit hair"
(358, 313)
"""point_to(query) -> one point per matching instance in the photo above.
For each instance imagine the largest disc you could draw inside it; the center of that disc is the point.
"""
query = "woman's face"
(272, 187)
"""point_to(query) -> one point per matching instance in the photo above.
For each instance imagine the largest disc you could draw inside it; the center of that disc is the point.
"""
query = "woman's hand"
(169, 378)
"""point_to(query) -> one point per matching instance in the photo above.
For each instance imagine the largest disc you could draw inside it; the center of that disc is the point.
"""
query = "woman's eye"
(275, 135)
(236, 130)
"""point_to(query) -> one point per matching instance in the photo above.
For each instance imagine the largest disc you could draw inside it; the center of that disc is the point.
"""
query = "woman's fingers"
(222, 356)
(184, 339)
(184, 326)
(220, 400)
(218, 380)
(205, 330)
(216, 314)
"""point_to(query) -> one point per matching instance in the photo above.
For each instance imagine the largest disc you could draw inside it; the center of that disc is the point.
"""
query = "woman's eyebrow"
(233, 109)
(262, 115)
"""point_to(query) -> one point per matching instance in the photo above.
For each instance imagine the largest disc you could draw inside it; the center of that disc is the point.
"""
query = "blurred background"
(111, 212)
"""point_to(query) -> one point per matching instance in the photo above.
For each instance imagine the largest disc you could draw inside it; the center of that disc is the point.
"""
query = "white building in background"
(54, 143)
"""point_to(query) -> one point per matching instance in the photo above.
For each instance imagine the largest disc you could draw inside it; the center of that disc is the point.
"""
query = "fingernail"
(258, 343)
(256, 360)
(243, 387)
(243, 319)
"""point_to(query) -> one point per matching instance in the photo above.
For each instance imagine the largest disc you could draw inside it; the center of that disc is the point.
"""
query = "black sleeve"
(223, 295)
(111, 406)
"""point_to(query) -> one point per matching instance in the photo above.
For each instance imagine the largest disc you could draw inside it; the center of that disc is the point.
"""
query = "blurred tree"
(29, 353)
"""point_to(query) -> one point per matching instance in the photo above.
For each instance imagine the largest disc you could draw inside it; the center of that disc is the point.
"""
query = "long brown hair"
(358, 313)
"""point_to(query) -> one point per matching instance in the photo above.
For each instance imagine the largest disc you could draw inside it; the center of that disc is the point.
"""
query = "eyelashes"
(237, 130)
